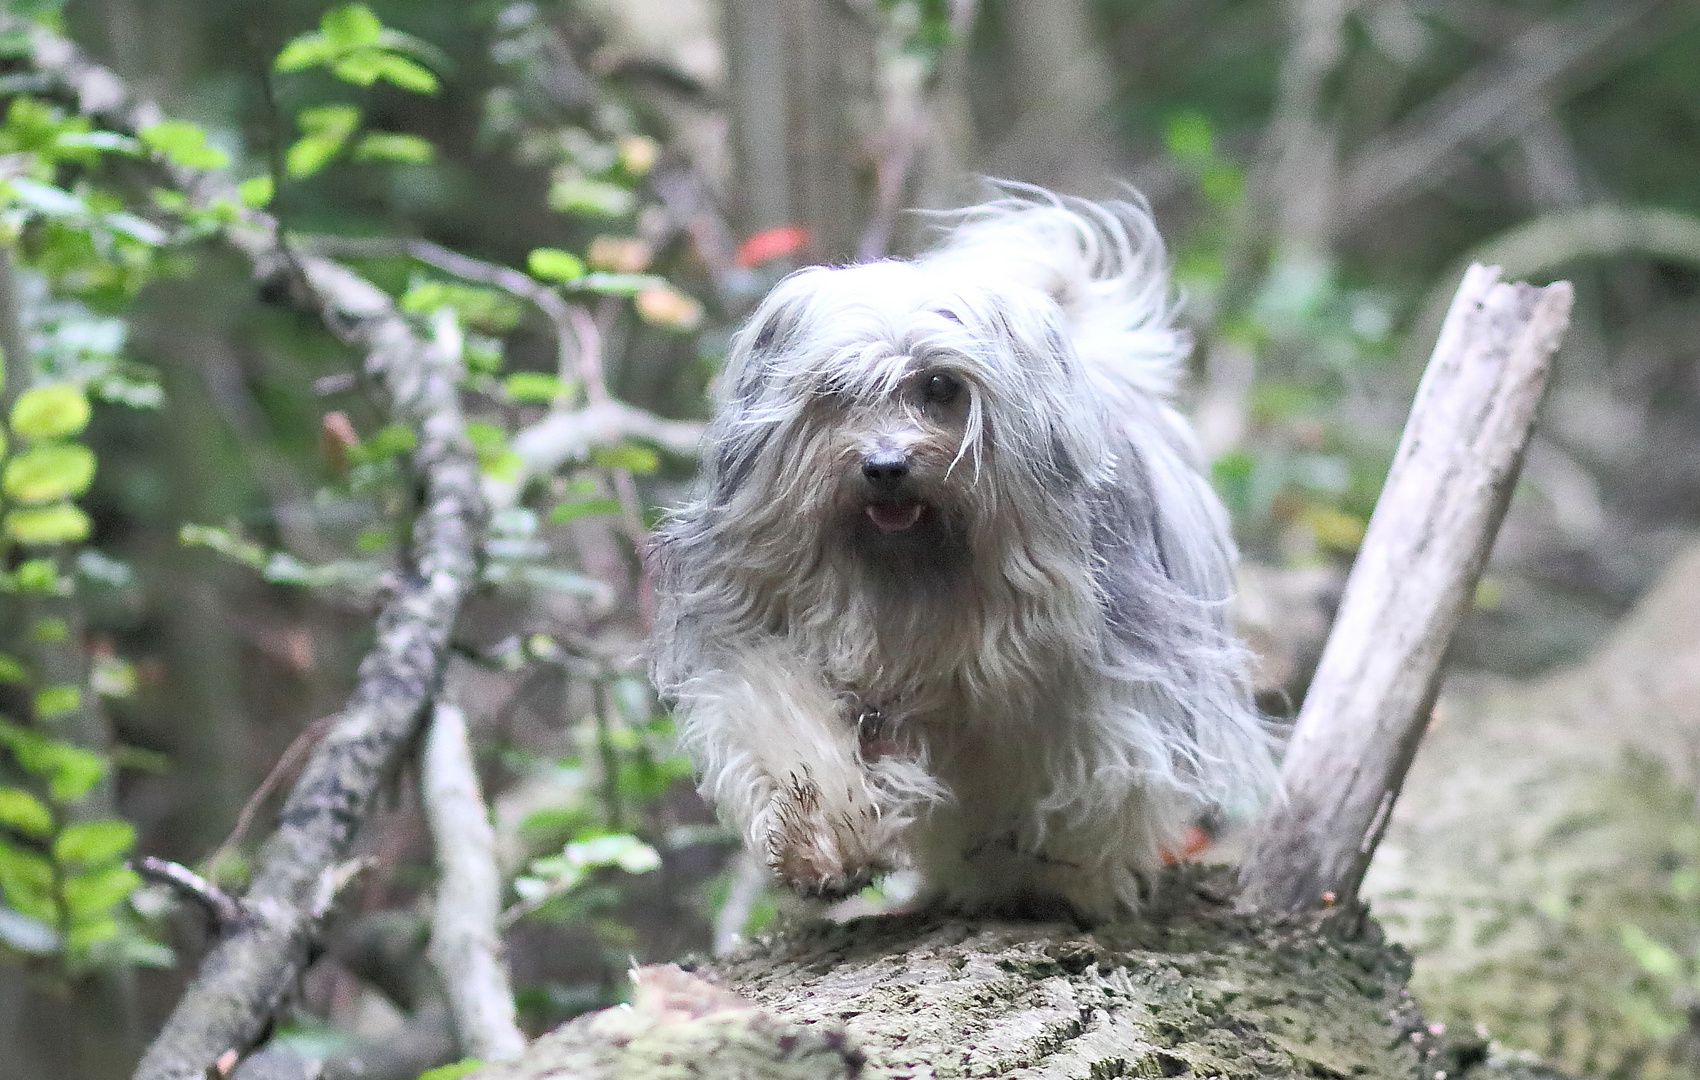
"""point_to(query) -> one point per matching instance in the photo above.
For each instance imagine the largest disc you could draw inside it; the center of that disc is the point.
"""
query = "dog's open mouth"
(890, 517)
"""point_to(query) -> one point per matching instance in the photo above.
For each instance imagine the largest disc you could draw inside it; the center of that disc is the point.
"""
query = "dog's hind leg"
(777, 755)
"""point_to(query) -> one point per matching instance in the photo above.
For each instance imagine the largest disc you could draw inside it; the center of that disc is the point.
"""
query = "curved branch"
(1544, 244)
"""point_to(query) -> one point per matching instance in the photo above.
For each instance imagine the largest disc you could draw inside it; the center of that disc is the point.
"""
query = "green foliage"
(185, 144)
(359, 49)
(326, 129)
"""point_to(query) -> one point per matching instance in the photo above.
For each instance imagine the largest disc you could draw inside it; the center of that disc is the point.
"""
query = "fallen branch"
(301, 868)
(1417, 570)
(464, 945)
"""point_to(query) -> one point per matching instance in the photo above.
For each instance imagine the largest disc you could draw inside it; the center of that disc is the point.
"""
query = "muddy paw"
(817, 850)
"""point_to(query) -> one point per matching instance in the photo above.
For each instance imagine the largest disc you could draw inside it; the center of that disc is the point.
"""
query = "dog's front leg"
(778, 756)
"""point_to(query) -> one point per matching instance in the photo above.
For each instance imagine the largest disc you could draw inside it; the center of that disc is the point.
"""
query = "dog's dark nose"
(885, 469)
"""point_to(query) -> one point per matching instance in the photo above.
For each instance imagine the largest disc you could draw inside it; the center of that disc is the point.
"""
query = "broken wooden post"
(1415, 575)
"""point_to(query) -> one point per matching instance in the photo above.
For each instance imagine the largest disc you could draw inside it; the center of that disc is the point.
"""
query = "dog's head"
(916, 424)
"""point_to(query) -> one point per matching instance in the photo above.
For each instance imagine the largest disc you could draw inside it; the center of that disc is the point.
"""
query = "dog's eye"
(941, 389)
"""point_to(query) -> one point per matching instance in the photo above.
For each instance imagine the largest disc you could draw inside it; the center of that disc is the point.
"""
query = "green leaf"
(1189, 138)
(50, 472)
(406, 74)
(39, 576)
(360, 67)
(553, 264)
(305, 51)
(52, 701)
(94, 892)
(50, 412)
(75, 771)
(453, 1071)
(386, 146)
(629, 456)
(575, 195)
(12, 670)
(27, 880)
(572, 511)
(94, 841)
(24, 812)
(184, 144)
(351, 26)
(58, 524)
(488, 441)
(391, 440)
(327, 128)
(256, 191)
(534, 386)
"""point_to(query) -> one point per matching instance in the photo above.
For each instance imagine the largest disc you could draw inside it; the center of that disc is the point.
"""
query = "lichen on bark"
(1188, 988)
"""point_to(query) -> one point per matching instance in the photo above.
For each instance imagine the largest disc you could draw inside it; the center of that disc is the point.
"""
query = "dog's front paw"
(819, 850)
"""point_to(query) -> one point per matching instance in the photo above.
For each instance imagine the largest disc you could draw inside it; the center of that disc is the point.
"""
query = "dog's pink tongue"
(894, 517)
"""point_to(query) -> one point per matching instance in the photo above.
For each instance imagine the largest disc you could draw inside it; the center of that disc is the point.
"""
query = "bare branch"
(464, 945)
(1421, 558)
(1485, 103)
(223, 910)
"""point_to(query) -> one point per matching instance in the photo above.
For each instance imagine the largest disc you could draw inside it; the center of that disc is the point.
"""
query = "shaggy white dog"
(954, 591)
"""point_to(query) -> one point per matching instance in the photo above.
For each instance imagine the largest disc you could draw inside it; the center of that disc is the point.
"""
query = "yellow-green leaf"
(327, 128)
(50, 472)
(256, 191)
(24, 812)
(553, 264)
(351, 26)
(52, 701)
(389, 146)
(12, 670)
(61, 523)
(50, 412)
(94, 841)
(184, 144)
(535, 386)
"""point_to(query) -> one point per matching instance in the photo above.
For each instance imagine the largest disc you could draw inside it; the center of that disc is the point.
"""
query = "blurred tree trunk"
(803, 98)
(1060, 81)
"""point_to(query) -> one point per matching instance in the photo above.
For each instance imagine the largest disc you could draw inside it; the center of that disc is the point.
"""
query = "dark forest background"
(1323, 171)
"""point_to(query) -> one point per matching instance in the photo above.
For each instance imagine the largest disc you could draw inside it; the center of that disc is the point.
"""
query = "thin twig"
(223, 910)
(282, 772)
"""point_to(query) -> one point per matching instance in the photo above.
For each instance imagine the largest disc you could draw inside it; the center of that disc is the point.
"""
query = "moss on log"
(1542, 818)
(1189, 989)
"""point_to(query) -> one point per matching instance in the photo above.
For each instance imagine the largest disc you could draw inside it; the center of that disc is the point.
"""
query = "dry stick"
(1414, 577)
(302, 866)
(465, 947)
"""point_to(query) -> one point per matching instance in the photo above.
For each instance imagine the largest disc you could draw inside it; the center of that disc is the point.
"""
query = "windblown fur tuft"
(953, 594)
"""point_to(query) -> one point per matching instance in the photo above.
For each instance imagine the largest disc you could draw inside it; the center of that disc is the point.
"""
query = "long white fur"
(1060, 693)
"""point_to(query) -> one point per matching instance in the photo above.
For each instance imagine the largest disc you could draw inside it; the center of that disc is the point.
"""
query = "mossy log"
(1542, 818)
(1188, 989)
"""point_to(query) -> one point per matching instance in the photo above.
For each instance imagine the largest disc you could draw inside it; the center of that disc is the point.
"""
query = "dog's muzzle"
(890, 507)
